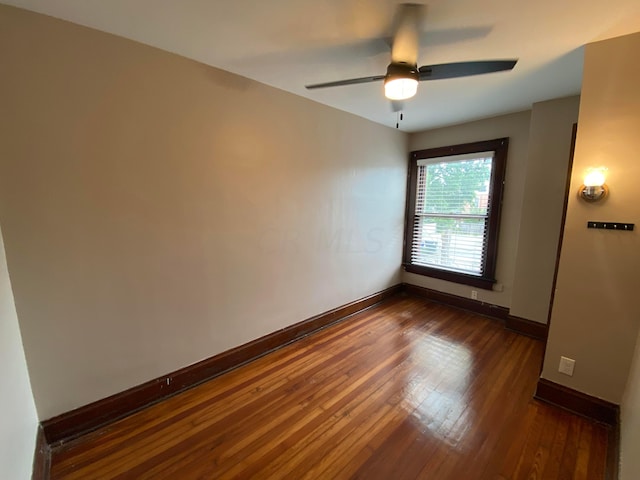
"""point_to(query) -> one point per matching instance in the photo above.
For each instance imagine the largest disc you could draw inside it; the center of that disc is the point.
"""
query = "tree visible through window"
(453, 211)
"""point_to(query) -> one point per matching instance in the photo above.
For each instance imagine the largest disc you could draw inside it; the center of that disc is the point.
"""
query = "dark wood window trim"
(487, 279)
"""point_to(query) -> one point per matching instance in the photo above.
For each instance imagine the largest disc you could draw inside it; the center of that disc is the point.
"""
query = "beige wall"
(541, 214)
(516, 127)
(18, 419)
(630, 422)
(157, 211)
(596, 314)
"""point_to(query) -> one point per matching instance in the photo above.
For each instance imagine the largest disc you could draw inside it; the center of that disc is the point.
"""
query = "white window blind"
(451, 215)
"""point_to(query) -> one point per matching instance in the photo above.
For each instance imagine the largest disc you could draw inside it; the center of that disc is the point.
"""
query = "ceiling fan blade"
(406, 33)
(464, 69)
(352, 81)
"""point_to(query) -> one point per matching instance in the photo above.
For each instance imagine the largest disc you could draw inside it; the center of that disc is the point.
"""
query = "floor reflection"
(439, 404)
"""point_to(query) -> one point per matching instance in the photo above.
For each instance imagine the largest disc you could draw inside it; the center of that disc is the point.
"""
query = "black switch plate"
(625, 227)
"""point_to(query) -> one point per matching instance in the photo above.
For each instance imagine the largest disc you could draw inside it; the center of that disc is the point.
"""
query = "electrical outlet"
(474, 294)
(566, 366)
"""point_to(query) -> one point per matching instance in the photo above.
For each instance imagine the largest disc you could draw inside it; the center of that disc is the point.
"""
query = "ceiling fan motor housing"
(401, 80)
(401, 70)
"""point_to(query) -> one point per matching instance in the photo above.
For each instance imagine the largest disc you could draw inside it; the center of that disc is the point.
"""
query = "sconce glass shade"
(595, 177)
(401, 81)
(594, 188)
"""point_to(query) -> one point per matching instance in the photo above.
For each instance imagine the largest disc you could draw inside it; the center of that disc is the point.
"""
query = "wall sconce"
(594, 188)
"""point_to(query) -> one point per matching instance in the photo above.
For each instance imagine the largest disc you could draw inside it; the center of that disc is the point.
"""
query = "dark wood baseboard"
(526, 327)
(41, 457)
(519, 325)
(613, 452)
(578, 402)
(85, 419)
(481, 308)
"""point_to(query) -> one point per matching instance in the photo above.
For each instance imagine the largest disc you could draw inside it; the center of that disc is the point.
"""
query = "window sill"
(478, 282)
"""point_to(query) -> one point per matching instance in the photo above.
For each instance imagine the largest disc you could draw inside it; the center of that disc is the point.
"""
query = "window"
(453, 211)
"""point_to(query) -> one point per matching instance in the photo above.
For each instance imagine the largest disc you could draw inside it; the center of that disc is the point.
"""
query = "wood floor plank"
(408, 389)
(599, 446)
(517, 440)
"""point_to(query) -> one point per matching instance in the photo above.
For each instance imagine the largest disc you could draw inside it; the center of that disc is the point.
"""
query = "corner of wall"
(18, 417)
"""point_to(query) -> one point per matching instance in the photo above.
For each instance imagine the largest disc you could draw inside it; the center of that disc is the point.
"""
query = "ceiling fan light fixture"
(401, 81)
(400, 88)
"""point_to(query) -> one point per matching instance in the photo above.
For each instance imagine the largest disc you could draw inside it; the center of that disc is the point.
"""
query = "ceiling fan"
(403, 74)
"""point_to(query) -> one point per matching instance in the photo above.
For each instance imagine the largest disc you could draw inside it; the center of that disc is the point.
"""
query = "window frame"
(496, 190)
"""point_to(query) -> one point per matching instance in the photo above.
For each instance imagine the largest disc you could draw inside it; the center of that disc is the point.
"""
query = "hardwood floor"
(405, 390)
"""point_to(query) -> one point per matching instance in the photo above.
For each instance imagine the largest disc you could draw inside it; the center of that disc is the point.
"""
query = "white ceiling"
(291, 43)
